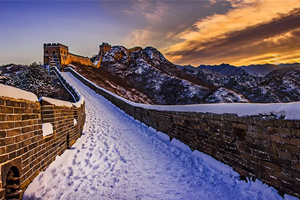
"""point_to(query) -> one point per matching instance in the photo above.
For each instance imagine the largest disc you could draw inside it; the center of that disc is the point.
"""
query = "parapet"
(55, 45)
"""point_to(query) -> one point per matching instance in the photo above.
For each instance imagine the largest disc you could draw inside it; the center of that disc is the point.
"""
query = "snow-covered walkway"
(120, 158)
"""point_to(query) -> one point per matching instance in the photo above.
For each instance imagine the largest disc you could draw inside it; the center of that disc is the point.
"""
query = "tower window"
(53, 52)
(47, 52)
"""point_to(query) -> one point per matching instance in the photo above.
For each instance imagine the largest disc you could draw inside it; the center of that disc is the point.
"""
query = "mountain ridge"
(146, 76)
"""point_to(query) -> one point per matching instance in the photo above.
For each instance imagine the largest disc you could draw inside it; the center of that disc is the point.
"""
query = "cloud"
(152, 12)
(248, 25)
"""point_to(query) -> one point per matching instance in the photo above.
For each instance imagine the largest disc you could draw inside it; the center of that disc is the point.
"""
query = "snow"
(16, 93)
(56, 102)
(47, 129)
(287, 110)
(224, 95)
(120, 158)
(180, 145)
(96, 62)
(80, 102)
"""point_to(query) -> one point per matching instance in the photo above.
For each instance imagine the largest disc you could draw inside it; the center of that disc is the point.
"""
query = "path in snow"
(120, 158)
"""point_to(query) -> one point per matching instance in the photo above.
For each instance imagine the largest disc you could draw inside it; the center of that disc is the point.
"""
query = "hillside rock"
(150, 72)
(225, 69)
(223, 95)
(146, 76)
(35, 79)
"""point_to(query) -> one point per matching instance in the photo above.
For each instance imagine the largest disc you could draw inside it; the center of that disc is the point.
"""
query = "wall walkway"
(265, 148)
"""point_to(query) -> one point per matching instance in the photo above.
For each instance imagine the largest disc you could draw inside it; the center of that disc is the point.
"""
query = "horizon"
(187, 32)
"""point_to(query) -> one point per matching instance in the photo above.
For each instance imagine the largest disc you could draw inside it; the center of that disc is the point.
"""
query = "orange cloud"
(209, 35)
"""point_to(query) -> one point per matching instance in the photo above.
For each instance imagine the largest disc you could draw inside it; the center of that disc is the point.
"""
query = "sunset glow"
(239, 32)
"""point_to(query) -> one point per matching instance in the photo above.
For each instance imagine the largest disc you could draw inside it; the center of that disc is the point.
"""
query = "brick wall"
(22, 144)
(264, 148)
(77, 58)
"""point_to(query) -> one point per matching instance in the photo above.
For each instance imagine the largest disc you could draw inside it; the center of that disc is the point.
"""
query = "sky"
(238, 32)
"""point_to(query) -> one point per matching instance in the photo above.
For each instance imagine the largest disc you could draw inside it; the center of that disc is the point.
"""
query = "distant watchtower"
(55, 53)
(104, 47)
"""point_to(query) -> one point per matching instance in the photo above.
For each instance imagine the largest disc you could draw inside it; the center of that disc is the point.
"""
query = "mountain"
(225, 69)
(260, 70)
(151, 74)
(146, 76)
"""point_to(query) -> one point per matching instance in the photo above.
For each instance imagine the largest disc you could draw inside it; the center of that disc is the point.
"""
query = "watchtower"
(104, 47)
(55, 53)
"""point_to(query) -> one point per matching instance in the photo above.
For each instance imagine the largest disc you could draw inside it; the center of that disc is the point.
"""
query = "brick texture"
(22, 143)
(267, 149)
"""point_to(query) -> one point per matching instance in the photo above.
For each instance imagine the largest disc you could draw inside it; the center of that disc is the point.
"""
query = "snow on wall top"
(56, 102)
(76, 104)
(287, 110)
(16, 93)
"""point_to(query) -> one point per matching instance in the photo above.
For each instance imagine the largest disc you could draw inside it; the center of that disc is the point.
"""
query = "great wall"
(56, 54)
(24, 150)
(256, 147)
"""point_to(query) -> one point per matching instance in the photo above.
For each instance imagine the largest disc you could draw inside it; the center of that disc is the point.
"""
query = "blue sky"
(187, 32)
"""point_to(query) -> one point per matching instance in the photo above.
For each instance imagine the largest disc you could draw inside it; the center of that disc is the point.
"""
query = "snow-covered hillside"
(120, 158)
(146, 76)
(282, 85)
(35, 79)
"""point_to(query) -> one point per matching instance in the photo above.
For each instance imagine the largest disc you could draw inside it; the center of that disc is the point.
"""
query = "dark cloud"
(252, 41)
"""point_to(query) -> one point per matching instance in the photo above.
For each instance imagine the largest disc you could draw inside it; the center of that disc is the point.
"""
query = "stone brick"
(2, 194)
(14, 117)
(12, 147)
(295, 158)
(2, 150)
(296, 166)
(279, 131)
(292, 141)
(275, 138)
(3, 117)
(12, 155)
(285, 155)
(7, 141)
(3, 134)
(6, 125)
(20, 124)
(12, 103)
(279, 123)
(13, 132)
(3, 158)
(4, 109)
(27, 129)
(272, 166)
(2, 101)
(25, 117)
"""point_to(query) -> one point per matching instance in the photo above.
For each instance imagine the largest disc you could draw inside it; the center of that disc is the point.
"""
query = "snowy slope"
(260, 70)
(120, 158)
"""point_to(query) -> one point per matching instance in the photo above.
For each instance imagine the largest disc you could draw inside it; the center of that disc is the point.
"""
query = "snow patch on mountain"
(223, 95)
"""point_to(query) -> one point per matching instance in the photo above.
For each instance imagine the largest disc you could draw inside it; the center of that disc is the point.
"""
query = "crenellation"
(21, 139)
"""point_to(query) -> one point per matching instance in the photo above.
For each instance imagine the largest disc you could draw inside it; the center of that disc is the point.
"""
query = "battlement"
(26, 146)
(58, 45)
(104, 47)
(58, 54)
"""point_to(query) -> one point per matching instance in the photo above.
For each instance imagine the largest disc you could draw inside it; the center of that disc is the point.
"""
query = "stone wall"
(264, 148)
(63, 55)
(24, 151)
(72, 58)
